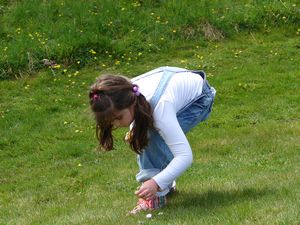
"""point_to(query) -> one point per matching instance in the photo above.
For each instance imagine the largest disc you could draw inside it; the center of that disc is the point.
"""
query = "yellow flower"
(92, 52)
(57, 66)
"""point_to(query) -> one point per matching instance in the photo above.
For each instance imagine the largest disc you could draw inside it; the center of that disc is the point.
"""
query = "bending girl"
(159, 106)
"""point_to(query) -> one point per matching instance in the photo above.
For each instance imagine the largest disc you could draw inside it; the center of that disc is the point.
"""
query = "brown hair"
(115, 92)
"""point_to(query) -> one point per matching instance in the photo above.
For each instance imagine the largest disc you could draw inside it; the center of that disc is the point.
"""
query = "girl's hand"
(148, 190)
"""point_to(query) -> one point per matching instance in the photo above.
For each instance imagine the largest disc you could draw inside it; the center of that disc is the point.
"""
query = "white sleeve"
(170, 130)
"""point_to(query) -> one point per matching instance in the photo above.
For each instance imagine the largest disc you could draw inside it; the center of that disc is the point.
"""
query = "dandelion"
(79, 165)
(117, 62)
(57, 66)
(174, 31)
(18, 30)
(93, 52)
(136, 4)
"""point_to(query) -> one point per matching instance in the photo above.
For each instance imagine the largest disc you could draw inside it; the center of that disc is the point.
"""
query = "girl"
(160, 106)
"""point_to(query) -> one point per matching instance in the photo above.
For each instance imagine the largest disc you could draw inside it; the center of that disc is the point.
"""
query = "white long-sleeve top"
(182, 88)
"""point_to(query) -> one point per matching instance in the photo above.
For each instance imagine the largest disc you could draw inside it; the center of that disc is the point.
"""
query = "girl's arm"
(175, 138)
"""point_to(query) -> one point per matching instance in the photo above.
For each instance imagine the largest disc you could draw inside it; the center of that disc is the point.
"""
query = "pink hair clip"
(135, 90)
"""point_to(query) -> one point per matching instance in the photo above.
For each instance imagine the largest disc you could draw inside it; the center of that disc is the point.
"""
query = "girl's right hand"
(148, 190)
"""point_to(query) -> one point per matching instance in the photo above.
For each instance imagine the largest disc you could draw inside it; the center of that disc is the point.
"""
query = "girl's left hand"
(148, 190)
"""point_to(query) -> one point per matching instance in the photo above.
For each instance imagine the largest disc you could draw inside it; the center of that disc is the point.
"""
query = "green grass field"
(246, 166)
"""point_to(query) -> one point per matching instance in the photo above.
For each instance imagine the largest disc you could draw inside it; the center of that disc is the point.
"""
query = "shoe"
(143, 205)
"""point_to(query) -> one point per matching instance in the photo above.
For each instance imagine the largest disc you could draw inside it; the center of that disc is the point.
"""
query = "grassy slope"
(246, 156)
(68, 31)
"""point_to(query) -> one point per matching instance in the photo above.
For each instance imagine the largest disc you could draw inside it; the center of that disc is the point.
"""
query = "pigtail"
(143, 121)
(105, 137)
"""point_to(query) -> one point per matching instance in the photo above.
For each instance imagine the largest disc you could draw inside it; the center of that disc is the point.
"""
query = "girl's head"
(116, 102)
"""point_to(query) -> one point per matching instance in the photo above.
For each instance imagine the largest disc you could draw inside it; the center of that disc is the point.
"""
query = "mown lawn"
(246, 156)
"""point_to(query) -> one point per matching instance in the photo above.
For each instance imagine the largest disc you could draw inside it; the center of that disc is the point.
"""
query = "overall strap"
(161, 87)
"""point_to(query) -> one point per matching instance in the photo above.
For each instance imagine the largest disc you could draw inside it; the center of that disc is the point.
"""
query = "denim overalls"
(157, 155)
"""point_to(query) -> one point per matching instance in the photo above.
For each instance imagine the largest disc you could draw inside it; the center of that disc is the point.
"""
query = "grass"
(77, 33)
(246, 156)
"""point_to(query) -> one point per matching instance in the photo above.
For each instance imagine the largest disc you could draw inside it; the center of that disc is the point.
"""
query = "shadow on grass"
(213, 199)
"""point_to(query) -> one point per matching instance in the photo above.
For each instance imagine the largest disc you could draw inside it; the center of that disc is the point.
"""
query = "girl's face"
(124, 117)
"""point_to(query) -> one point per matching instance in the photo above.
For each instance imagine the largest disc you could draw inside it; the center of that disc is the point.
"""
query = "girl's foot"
(143, 205)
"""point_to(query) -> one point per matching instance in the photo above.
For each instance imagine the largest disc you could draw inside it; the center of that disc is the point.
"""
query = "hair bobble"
(135, 90)
(95, 96)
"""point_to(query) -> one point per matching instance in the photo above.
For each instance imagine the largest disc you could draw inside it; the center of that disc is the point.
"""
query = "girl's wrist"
(157, 186)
